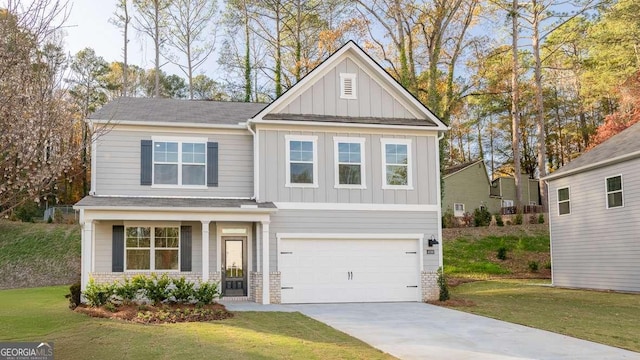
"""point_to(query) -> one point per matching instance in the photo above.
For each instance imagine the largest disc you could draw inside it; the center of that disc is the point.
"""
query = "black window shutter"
(212, 164)
(185, 248)
(117, 248)
(146, 161)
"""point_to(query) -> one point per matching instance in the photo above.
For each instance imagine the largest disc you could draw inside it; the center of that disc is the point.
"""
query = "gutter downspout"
(256, 167)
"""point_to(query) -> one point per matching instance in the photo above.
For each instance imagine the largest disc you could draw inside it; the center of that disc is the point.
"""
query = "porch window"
(179, 163)
(302, 161)
(564, 203)
(396, 167)
(152, 248)
(614, 192)
(349, 162)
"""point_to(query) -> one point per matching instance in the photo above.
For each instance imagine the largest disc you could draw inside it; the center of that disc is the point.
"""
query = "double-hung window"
(396, 167)
(458, 210)
(180, 163)
(302, 161)
(152, 248)
(349, 162)
(564, 202)
(614, 192)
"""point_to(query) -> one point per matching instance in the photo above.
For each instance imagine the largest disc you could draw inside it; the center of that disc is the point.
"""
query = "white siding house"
(594, 217)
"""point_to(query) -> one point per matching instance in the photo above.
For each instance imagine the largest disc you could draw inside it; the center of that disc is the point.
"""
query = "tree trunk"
(540, 126)
(125, 66)
(515, 108)
(157, 48)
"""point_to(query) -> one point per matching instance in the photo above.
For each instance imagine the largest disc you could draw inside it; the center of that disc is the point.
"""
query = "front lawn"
(604, 317)
(41, 314)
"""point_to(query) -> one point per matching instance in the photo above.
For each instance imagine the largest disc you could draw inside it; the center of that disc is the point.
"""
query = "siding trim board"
(355, 206)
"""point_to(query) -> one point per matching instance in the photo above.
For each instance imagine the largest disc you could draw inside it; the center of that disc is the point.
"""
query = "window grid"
(349, 166)
(614, 191)
(301, 161)
(396, 163)
(179, 163)
(564, 201)
(147, 247)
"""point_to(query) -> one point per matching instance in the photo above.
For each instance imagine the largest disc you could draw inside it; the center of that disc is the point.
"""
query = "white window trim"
(288, 140)
(354, 87)
(563, 201)
(179, 140)
(336, 163)
(607, 192)
(152, 255)
(383, 143)
(455, 211)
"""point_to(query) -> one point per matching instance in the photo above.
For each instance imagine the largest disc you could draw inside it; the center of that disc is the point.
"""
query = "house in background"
(504, 188)
(331, 193)
(594, 217)
(466, 188)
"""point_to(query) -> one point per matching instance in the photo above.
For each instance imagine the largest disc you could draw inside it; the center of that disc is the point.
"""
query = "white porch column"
(205, 250)
(87, 252)
(265, 262)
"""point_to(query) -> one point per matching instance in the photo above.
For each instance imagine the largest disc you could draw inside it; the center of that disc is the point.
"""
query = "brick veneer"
(429, 282)
(110, 277)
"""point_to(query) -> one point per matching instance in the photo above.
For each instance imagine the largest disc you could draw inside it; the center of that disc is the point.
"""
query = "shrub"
(442, 284)
(448, 220)
(183, 291)
(502, 253)
(499, 221)
(110, 307)
(97, 294)
(533, 266)
(49, 220)
(127, 290)
(27, 211)
(467, 219)
(518, 219)
(156, 288)
(206, 293)
(74, 295)
(481, 217)
(541, 218)
(547, 265)
(533, 219)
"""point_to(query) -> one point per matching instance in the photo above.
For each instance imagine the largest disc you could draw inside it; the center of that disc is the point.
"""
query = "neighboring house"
(504, 188)
(466, 188)
(594, 217)
(328, 194)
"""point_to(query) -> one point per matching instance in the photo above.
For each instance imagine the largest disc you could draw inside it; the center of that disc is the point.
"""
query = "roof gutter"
(167, 124)
(596, 165)
(256, 167)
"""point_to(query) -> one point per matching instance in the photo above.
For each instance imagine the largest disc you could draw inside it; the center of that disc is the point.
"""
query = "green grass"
(476, 257)
(38, 254)
(604, 317)
(41, 314)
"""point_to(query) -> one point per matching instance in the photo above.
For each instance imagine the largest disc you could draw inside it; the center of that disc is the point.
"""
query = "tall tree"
(121, 18)
(151, 19)
(515, 106)
(191, 34)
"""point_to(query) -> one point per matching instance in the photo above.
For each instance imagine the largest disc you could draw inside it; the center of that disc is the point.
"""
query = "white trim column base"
(265, 262)
(205, 251)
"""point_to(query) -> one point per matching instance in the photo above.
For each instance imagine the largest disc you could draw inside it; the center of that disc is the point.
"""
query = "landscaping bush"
(481, 217)
(206, 293)
(533, 266)
(97, 294)
(183, 290)
(127, 291)
(442, 284)
(27, 212)
(502, 253)
(74, 295)
(448, 220)
(499, 221)
(518, 219)
(541, 218)
(156, 288)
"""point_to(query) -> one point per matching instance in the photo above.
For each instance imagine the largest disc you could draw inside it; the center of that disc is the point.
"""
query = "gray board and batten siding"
(118, 164)
(272, 169)
(343, 221)
(373, 99)
(595, 247)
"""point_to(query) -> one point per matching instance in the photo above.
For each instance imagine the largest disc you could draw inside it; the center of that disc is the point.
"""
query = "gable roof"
(428, 118)
(620, 147)
(457, 168)
(144, 110)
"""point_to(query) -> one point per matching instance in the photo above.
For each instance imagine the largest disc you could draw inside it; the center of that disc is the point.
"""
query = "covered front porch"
(225, 241)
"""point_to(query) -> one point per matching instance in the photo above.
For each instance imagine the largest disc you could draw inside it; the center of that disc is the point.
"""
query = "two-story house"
(328, 194)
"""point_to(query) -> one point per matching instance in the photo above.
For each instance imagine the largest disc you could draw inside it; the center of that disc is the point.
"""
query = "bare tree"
(122, 19)
(191, 34)
(151, 19)
(515, 105)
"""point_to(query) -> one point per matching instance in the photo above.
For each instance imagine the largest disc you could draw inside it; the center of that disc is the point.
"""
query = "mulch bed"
(162, 314)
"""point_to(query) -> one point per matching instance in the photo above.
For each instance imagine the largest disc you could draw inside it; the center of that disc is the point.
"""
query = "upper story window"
(302, 161)
(348, 86)
(614, 192)
(152, 248)
(349, 162)
(396, 167)
(458, 210)
(564, 202)
(179, 162)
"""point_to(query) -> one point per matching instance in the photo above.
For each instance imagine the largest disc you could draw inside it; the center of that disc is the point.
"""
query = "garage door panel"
(317, 270)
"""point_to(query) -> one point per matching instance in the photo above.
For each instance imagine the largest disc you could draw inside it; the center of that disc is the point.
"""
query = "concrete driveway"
(422, 331)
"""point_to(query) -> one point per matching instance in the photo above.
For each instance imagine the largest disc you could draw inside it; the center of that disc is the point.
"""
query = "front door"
(234, 266)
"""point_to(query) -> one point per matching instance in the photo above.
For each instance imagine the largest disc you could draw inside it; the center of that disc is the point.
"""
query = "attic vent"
(347, 86)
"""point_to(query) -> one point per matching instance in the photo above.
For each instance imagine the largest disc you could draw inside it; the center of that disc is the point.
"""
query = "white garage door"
(349, 270)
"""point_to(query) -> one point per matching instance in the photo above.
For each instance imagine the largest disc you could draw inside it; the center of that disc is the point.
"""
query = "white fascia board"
(349, 125)
(240, 125)
(361, 236)
(178, 209)
(355, 206)
(595, 165)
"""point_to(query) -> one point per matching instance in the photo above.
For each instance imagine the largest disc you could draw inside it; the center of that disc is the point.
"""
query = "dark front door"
(234, 266)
